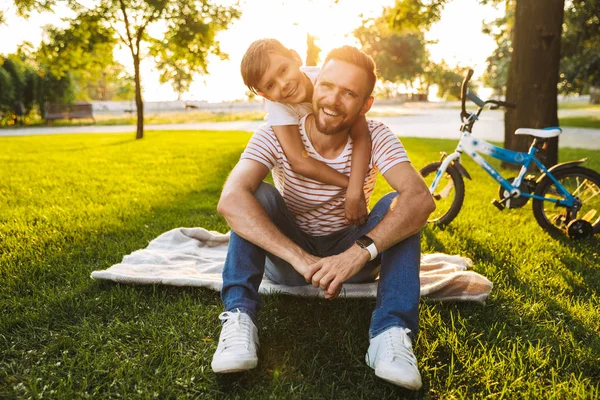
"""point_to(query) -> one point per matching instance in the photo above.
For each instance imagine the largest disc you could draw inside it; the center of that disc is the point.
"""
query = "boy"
(274, 72)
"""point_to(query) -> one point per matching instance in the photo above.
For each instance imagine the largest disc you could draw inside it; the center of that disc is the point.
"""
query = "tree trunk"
(533, 74)
(139, 103)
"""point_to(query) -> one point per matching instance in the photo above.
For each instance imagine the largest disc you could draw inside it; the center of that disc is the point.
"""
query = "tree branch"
(126, 19)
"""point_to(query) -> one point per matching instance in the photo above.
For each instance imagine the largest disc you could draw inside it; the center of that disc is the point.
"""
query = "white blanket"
(195, 257)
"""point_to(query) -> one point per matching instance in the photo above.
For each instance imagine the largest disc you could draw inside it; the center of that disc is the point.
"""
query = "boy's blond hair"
(256, 60)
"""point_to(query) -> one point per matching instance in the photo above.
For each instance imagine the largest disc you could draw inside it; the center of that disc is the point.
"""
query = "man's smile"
(330, 112)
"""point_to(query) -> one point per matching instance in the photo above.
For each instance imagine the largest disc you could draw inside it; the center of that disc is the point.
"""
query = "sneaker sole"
(382, 375)
(392, 379)
(232, 366)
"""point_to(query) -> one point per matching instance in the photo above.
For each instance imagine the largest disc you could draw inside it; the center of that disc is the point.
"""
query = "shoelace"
(236, 330)
(400, 347)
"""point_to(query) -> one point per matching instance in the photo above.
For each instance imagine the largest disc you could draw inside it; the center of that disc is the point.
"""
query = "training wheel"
(579, 229)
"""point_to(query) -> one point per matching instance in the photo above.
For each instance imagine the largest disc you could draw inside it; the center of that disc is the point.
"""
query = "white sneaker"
(391, 356)
(238, 342)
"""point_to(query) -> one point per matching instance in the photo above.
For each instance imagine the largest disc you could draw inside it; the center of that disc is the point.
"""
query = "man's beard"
(332, 129)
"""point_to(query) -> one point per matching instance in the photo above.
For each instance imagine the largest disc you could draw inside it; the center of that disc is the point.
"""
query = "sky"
(459, 39)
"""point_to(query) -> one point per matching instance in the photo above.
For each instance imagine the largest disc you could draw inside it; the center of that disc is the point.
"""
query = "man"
(297, 233)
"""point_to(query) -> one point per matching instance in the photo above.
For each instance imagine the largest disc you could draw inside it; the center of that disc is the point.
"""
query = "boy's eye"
(270, 86)
(284, 69)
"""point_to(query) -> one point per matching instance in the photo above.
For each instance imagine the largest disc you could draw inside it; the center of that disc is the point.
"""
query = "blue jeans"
(398, 267)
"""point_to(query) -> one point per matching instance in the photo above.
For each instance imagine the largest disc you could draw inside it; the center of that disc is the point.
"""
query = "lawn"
(175, 117)
(71, 204)
(589, 121)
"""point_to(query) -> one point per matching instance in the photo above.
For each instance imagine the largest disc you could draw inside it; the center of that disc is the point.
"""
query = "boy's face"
(283, 81)
(340, 96)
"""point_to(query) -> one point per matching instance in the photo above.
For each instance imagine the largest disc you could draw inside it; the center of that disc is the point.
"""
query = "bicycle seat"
(545, 133)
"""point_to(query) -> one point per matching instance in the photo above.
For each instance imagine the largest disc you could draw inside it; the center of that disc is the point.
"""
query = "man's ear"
(367, 105)
(297, 57)
(266, 96)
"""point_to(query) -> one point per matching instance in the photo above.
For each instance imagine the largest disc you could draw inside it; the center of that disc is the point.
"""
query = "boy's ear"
(297, 57)
(367, 105)
(266, 96)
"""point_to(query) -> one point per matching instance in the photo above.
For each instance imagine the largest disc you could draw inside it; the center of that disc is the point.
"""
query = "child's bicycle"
(566, 197)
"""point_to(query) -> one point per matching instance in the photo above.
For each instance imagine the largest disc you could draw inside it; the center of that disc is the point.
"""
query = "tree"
(580, 58)
(580, 61)
(24, 7)
(448, 80)
(312, 50)
(184, 46)
(400, 55)
(533, 73)
(85, 49)
(496, 73)
(7, 91)
(533, 69)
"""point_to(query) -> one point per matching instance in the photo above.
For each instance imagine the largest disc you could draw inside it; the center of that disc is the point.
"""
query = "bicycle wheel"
(584, 184)
(449, 194)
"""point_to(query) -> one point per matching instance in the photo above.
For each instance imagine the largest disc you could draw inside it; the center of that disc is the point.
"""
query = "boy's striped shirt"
(318, 207)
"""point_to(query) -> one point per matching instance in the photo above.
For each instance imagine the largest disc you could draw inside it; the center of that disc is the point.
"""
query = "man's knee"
(268, 197)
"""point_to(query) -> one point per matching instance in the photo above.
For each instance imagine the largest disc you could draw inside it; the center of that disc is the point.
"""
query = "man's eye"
(350, 94)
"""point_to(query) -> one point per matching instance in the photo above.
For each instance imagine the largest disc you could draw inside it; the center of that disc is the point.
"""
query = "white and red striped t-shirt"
(318, 207)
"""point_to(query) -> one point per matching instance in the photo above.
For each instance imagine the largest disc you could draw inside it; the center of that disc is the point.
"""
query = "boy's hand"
(356, 207)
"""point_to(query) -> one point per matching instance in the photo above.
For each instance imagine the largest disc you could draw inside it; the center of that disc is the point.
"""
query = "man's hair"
(256, 60)
(357, 57)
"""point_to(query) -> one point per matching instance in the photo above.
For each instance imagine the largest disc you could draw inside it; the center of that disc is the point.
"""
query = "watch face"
(364, 241)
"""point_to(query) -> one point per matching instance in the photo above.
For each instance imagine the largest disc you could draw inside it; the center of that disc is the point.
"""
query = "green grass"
(581, 122)
(71, 204)
(150, 118)
(577, 105)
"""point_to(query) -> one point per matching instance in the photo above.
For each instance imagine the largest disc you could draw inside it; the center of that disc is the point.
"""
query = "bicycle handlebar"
(467, 94)
(473, 97)
(463, 92)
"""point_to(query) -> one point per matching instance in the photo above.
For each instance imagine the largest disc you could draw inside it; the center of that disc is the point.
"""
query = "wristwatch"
(368, 244)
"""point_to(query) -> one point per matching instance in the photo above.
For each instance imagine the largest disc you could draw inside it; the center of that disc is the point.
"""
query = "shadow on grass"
(563, 318)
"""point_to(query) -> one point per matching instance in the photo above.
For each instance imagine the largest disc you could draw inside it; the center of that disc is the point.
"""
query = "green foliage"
(498, 62)
(416, 15)
(400, 55)
(52, 89)
(184, 49)
(18, 87)
(30, 89)
(580, 46)
(580, 41)
(85, 49)
(312, 50)
(72, 204)
(448, 80)
(16, 70)
(7, 91)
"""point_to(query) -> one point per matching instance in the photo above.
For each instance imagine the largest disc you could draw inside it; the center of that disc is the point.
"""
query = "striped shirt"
(317, 207)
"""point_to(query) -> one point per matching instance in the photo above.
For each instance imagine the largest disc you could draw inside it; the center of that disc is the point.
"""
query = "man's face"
(283, 81)
(340, 96)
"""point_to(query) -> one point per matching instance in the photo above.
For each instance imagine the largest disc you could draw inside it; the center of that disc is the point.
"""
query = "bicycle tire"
(442, 217)
(574, 177)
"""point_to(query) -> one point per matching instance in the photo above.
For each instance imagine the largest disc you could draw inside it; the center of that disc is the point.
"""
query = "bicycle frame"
(473, 146)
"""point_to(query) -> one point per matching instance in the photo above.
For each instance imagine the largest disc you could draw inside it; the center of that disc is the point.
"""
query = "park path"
(425, 123)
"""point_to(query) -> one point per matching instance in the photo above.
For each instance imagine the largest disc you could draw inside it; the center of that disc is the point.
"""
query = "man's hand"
(330, 273)
(303, 262)
(355, 207)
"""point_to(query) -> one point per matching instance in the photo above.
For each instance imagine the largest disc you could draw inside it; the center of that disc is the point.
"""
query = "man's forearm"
(248, 218)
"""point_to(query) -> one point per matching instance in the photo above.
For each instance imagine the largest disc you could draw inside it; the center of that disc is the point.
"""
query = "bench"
(69, 111)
